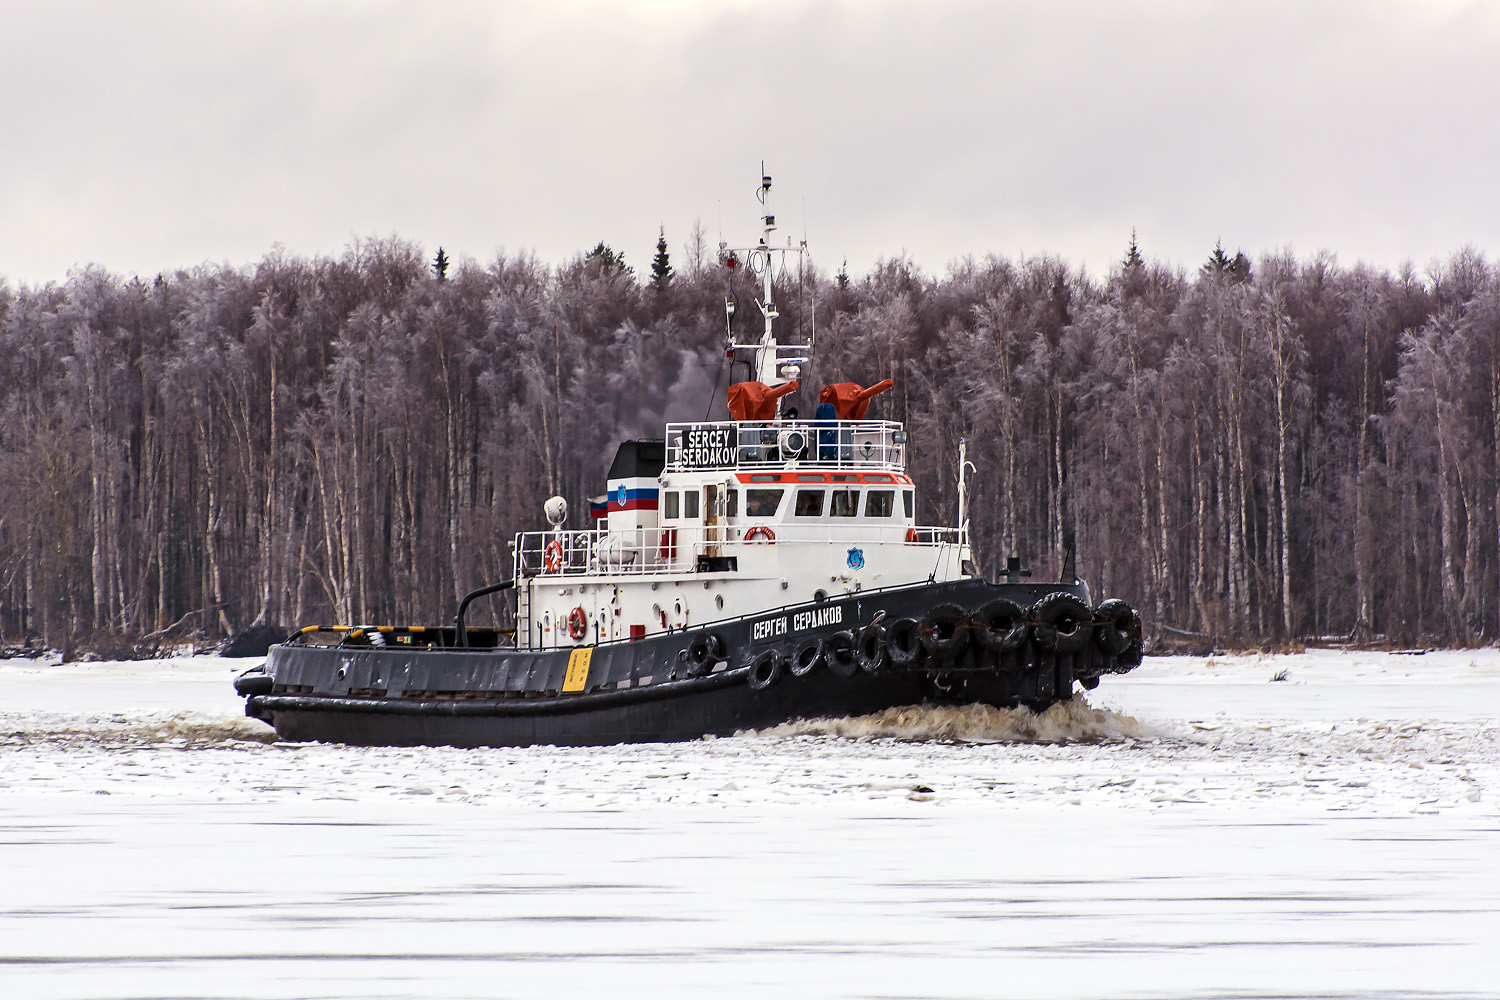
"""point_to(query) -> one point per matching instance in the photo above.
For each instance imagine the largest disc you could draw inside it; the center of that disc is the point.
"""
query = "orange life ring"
(911, 536)
(760, 531)
(552, 558)
(578, 623)
(668, 546)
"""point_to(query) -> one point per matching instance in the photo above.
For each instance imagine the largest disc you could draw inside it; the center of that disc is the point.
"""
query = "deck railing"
(647, 551)
(815, 444)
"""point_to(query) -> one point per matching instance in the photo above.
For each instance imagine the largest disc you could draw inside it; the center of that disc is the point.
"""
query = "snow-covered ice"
(1193, 829)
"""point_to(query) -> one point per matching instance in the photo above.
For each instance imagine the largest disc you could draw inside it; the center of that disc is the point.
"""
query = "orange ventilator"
(850, 400)
(756, 400)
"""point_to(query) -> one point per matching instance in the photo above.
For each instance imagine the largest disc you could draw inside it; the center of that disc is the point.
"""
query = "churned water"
(1191, 830)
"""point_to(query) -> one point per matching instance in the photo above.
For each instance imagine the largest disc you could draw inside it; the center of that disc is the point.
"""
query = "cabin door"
(713, 520)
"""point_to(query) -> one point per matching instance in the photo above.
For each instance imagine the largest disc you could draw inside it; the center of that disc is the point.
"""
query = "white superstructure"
(731, 518)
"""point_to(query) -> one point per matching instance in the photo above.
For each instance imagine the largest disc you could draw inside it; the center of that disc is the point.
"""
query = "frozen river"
(1194, 830)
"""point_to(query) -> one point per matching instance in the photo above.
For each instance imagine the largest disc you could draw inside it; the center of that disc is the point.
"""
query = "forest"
(1253, 453)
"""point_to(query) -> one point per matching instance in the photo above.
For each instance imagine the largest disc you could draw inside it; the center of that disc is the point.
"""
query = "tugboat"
(743, 573)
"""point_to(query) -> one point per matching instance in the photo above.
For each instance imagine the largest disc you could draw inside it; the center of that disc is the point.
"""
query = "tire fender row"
(1058, 625)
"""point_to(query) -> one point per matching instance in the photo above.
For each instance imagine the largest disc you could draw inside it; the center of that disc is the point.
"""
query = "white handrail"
(764, 444)
(647, 551)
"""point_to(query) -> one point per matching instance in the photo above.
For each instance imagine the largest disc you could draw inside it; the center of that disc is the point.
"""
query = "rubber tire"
(1055, 610)
(870, 649)
(705, 651)
(946, 647)
(1117, 626)
(808, 657)
(840, 656)
(1004, 611)
(253, 682)
(765, 669)
(903, 642)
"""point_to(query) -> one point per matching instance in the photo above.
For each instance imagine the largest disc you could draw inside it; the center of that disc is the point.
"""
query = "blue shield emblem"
(620, 495)
(856, 558)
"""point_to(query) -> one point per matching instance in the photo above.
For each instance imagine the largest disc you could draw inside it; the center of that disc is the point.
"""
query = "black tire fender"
(1117, 626)
(840, 653)
(1063, 623)
(945, 631)
(765, 669)
(903, 641)
(1001, 625)
(807, 658)
(870, 649)
(252, 682)
(705, 651)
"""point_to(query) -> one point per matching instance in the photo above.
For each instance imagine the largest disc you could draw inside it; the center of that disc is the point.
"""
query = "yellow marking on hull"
(578, 669)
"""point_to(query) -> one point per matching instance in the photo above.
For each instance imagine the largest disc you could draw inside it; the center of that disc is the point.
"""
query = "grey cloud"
(160, 135)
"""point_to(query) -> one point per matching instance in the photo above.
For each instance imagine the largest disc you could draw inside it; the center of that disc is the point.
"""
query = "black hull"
(647, 691)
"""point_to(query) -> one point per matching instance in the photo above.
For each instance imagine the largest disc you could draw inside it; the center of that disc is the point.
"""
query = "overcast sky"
(147, 136)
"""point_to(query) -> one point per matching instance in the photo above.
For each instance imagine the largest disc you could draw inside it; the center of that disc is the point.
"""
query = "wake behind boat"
(745, 573)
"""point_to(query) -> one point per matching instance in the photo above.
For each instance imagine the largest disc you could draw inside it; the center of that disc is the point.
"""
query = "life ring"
(578, 623)
(911, 536)
(553, 556)
(760, 531)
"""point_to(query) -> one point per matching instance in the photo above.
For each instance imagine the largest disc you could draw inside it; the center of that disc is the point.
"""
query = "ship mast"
(773, 363)
(765, 358)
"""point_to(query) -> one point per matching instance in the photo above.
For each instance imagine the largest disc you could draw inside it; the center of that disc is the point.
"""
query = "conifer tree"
(1133, 260)
(1239, 268)
(440, 265)
(606, 257)
(1218, 263)
(661, 264)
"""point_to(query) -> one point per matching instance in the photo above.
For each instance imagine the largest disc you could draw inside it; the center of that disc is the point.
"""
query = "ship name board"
(770, 628)
(708, 447)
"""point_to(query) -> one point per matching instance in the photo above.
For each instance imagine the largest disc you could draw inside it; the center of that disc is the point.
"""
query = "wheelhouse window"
(762, 503)
(906, 501)
(880, 503)
(669, 506)
(809, 503)
(844, 503)
(690, 503)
